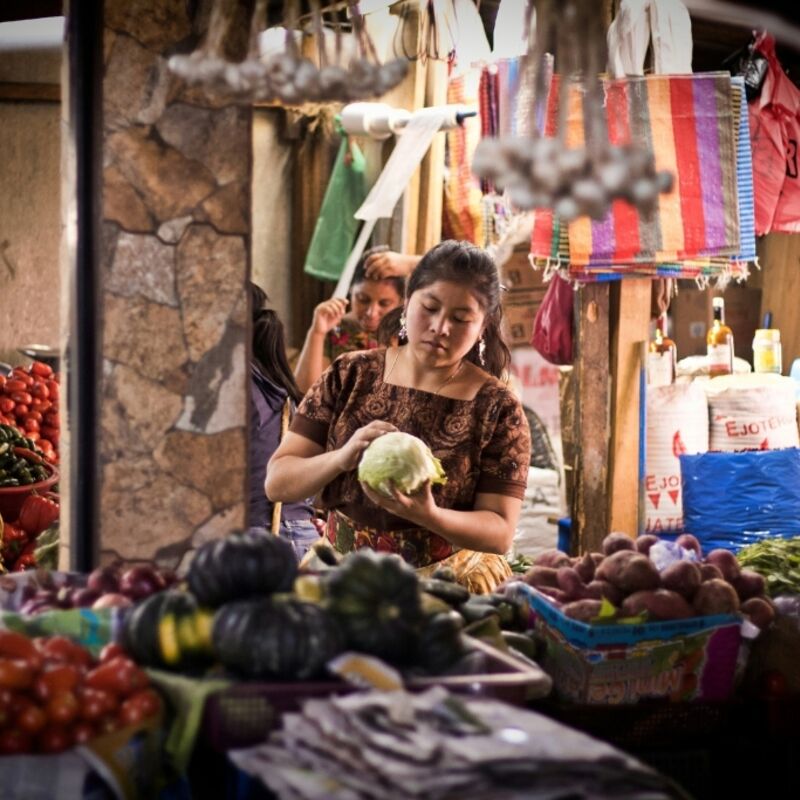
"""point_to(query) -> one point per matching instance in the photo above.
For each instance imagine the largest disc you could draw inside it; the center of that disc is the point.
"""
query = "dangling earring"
(403, 332)
(482, 351)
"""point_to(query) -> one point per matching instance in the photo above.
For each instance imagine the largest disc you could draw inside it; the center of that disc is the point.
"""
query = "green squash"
(168, 630)
(275, 638)
(241, 566)
(440, 644)
(376, 598)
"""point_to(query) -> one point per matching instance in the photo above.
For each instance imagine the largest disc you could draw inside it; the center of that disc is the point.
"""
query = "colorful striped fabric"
(462, 213)
(693, 123)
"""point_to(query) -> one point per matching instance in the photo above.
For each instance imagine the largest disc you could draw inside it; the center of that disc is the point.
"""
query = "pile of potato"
(624, 575)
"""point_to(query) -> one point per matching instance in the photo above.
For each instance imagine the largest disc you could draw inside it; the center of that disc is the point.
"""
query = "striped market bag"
(703, 227)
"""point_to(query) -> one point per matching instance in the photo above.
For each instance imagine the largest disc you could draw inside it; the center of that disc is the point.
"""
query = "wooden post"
(590, 503)
(630, 316)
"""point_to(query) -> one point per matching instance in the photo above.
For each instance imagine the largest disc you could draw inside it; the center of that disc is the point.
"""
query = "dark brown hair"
(465, 264)
(269, 345)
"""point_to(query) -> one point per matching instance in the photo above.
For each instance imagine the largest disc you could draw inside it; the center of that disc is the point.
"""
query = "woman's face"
(444, 321)
(370, 301)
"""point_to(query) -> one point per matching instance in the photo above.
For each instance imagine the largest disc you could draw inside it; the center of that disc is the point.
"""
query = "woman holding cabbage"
(440, 385)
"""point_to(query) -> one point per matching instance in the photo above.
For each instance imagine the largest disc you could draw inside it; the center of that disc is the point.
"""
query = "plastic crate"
(688, 659)
(244, 714)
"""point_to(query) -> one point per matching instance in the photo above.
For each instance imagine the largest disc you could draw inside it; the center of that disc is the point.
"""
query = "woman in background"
(334, 330)
(442, 385)
(273, 397)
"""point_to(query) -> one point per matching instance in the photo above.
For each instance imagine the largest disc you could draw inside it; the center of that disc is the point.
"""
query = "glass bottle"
(719, 342)
(662, 357)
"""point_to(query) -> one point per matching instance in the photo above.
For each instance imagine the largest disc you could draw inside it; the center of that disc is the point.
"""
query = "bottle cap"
(768, 334)
(717, 302)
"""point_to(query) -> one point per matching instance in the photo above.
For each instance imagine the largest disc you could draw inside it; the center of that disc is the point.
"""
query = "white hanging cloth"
(665, 22)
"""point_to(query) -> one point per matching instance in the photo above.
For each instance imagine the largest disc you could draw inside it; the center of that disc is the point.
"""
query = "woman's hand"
(350, 453)
(328, 314)
(418, 508)
(388, 264)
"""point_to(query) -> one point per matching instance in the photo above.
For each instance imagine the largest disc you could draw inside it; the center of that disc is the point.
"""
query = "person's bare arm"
(389, 264)
(489, 527)
(312, 361)
(300, 468)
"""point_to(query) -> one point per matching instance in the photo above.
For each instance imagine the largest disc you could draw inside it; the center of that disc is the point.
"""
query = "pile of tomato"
(29, 401)
(38, 513)
(54, 694)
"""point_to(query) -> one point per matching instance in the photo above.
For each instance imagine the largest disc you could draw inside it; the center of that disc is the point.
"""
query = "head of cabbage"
(402, 459)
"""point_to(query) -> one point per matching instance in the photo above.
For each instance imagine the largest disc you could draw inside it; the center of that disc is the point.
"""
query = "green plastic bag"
(337, 227)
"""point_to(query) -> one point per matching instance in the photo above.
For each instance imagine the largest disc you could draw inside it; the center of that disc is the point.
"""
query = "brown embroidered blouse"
(483, 444)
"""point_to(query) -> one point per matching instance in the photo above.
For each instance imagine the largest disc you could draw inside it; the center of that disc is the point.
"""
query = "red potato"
(615, 542)
(682, 577)
(661, 604)
(644, 543)
(599, 589)
(541, 576)
(551, 558)
(629, 571)
(749, 584)
(709, 572)
(689, 542)
(556, 594)
(585, 567)
(725, 562)
(570, 583)
(583, 610)
(759, 611)
(715, 597)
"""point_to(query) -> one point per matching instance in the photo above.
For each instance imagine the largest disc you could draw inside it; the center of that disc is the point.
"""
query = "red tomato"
(31, 719)
(62, 708)
(92, 706)
(14, 741)
(63, 650)
(34, 415)
(44, 445)
(3, 380)
(15, 673)
(34, 436)
(112, 650)
(30, 423)
(40, 390)
(7, 405)
(21, 410)
(41, 405)
(54, 389)
(149, 700)
(130, 714)
(49, 433)
(83, 732)
(41, 369)
(15, 645)
(54, 739)
(21, 374)
(37, 514)
(21, 397)
(15, 385)
(119, 675)
(56, 678)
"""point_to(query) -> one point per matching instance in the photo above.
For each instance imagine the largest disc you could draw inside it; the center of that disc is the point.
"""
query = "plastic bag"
(552, 326)
(337, 226)
(734, 499)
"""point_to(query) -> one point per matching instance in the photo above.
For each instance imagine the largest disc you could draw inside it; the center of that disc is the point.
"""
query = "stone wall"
(30, 225)
(176, 240)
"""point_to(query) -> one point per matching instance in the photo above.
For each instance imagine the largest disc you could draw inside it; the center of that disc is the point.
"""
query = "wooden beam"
(779, 256)
(30, 92)
(431, 182)
(590, 501)
(630, 318)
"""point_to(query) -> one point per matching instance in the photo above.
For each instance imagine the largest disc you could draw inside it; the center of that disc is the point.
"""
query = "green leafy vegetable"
(778, 560)
(401, 459)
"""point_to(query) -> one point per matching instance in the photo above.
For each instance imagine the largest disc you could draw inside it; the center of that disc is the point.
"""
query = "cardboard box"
(519, 311)
(679, 660)
(692, 317)
(517, 274)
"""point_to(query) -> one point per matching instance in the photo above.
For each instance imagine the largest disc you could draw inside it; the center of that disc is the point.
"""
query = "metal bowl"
(42, 352)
